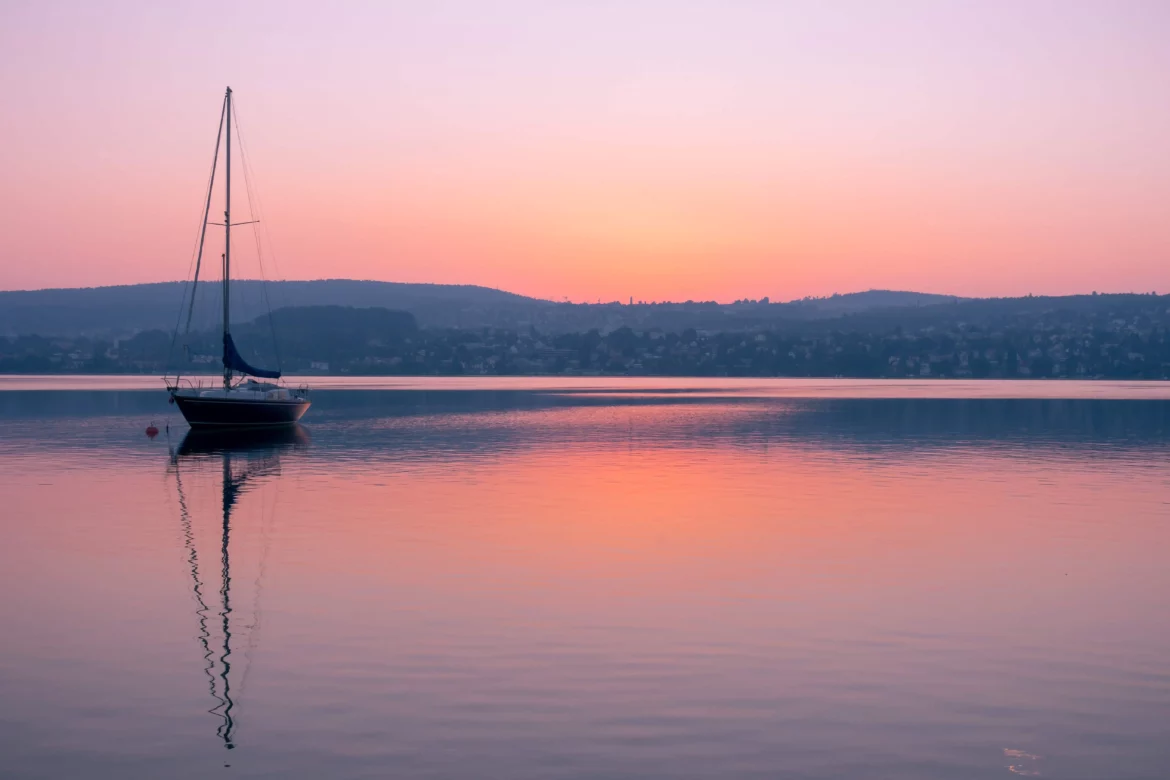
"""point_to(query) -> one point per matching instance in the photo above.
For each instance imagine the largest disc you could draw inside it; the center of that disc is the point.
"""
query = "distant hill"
(127, 309)
(118, 312)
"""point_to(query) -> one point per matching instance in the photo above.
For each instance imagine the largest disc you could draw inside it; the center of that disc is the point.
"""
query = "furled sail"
(233, 360)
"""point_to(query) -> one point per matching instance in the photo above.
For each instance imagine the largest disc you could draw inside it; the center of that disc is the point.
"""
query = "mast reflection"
(260, 451)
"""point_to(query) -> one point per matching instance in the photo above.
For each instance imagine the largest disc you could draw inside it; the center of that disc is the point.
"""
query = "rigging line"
(206, 213)
(243, 298)
(245, 158)
(256, 208)
(267, 234)
(244, 302)
(183, 300)
(196, 252)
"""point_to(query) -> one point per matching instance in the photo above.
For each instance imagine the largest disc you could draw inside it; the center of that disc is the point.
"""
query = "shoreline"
(741, 388)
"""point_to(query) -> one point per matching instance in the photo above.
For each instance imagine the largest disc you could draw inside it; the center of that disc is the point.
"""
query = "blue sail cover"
(232, 360)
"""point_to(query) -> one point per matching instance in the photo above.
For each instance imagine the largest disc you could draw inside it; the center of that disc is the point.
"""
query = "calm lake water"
(590, 579)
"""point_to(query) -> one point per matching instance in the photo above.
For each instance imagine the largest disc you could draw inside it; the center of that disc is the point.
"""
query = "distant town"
(1115, 337)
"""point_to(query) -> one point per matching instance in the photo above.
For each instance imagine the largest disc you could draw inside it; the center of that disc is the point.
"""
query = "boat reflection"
(247, 457)
(242, 440)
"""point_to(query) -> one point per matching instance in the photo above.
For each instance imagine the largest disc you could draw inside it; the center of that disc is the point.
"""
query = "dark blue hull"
(239, 412)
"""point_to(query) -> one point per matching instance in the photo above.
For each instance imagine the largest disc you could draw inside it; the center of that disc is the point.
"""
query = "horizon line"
(597, 302)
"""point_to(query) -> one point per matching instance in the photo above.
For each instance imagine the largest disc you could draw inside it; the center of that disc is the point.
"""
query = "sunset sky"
(660, 149)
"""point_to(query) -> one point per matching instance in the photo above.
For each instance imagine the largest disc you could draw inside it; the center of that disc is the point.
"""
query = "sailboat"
(245, 401)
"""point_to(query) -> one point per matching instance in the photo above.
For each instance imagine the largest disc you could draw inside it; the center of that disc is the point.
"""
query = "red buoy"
(151, 431)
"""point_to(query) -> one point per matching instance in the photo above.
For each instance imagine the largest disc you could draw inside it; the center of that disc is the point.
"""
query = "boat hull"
(240, 412)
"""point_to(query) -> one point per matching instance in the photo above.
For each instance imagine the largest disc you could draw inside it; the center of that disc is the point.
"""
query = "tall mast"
(227, 243)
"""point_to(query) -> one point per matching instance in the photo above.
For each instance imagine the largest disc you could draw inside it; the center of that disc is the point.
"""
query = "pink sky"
(658, 148)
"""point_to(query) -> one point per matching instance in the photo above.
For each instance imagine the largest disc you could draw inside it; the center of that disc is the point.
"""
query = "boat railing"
(189, 383)
(212, 383)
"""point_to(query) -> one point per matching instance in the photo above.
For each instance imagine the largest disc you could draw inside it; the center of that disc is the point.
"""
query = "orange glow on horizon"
(587, 152)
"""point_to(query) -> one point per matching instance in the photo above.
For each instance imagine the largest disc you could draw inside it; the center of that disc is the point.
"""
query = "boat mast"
(227, 243)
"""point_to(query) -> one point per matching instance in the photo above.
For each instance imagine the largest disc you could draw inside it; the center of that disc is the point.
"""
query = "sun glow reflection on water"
(517, 582)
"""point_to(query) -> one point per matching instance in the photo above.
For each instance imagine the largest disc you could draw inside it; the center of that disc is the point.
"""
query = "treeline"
(1123, 341)
(294, 337)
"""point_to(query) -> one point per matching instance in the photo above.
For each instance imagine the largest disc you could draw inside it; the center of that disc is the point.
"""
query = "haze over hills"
(119, 311)
(383, 328)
